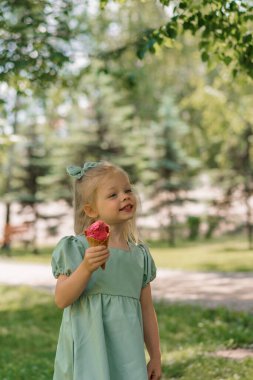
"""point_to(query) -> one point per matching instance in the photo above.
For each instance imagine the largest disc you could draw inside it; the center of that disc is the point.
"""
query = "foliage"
(170, 161)
(34, 36)
(48, 35)
(212, 224)
(31, 166)
(87, 125)
(194, 224)
(163, 118)
(224, 29)
(220, 115)
(189, 336)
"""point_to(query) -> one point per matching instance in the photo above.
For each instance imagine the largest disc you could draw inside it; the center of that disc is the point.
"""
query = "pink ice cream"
(98, 230)
(98, 234)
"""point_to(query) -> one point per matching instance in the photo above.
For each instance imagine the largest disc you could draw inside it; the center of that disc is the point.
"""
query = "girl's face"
(115, 201)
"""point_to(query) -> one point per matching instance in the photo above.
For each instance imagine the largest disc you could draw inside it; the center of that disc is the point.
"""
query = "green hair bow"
(77, 172)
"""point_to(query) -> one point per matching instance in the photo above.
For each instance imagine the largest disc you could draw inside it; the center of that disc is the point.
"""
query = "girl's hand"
(154, 369)
(95, 257)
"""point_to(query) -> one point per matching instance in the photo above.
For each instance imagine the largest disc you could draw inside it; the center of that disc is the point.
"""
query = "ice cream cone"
(94, 243)
(98, 234)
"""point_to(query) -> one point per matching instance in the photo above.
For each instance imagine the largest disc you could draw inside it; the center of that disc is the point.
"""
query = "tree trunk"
(35, 231)
(7, 235)
(248, 181)
(6, 246)
(249, 226)
(171, 228)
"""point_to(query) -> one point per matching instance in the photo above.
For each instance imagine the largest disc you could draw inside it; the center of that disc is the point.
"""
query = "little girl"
(108, 314)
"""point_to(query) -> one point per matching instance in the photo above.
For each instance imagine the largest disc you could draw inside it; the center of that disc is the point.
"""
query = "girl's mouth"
(127, 208)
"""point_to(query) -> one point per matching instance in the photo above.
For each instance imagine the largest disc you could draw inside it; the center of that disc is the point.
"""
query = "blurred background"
(164, 89)
(141, 84)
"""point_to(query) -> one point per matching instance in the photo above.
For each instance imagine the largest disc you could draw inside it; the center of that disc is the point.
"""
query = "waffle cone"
(94, 243)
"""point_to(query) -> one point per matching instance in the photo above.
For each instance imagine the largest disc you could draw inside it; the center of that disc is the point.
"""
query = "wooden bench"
(13, 230)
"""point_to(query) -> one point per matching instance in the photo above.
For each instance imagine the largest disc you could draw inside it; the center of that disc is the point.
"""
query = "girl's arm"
(151, 334)
(69, 288)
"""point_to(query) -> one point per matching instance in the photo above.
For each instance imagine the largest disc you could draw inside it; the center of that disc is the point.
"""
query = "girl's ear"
(90, 211)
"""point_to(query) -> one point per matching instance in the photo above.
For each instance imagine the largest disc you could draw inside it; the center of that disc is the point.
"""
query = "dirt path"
(37, 275)
(210, 289)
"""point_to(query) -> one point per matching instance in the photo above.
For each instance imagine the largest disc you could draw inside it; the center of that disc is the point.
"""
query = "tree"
(35, 44)
(8, 164)
(219, 113)
(87, 124)
(34, 37)
(39, 38)
(224, 30)
(170, 161)
(32, 165)
(26, 161)
(123, 94)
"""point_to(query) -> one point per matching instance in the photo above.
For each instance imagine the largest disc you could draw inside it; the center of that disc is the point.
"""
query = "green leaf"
(201, 20)
(187, 25)
(183, 5)
(227, 60)
(171, 32)
(141, 52)
(234, 72)
(247, 38)
(233, 6)
(203, 44)
(165, 2)
(103, 4)
(205, 56)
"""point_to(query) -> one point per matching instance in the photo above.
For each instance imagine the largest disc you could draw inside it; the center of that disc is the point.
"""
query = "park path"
(209, 289)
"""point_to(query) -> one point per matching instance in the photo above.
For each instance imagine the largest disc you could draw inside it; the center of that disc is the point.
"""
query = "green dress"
(101, 334)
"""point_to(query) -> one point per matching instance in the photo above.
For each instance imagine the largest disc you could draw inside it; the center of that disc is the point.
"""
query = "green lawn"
(225, 254)
(29, 322)
(189, 336)
(25, 255)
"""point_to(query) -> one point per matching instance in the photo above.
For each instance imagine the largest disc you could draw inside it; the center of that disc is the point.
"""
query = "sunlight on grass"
(189, 336)
(21, 297)
(28, 333)
(206, 256)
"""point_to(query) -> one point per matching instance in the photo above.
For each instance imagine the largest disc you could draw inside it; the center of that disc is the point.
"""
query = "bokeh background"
(163, 89)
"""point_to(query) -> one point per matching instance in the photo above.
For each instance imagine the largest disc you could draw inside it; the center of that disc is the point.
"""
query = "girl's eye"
(128, 191)
(112, 195)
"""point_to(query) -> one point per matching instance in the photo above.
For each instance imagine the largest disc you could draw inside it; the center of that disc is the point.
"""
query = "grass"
(228, 254)
(222, 255)
(29, 322)
(26, 255)
(189, 335)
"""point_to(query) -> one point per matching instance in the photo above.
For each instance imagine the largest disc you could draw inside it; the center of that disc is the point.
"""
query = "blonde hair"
(85, 191)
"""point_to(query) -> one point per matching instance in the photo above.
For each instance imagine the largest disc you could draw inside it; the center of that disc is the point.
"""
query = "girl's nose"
(125, 196)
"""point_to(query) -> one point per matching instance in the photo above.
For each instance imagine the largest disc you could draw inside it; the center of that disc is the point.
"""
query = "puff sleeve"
(149, 273)
(67, 256)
